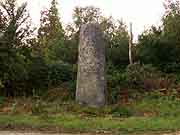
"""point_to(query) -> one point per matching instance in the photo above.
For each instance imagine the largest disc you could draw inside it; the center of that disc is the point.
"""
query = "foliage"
(30, 64)
(38, 62)
(116, 80)
(37, 107)
(59, 72)
(38, 75)
(14, 107)
(16, 29)
(43, 76)
(136, 74)
(2, 100)
(121, 111)
(160, 45)
(157, 105)
(84, 15)
(153, 48)
(115, 31)
(171, 20)
(147, 114)
(51, 33)
(136, 79)
(118, 41)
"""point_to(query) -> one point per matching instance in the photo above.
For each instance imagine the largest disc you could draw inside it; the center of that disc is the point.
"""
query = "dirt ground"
(22, 133)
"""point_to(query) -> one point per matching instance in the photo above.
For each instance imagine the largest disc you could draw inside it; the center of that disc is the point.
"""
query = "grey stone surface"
(1, 34)
(91, 80)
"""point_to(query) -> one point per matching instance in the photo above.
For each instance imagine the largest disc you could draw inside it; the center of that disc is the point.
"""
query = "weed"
(2, 99)
(14, 107)
(121, 111)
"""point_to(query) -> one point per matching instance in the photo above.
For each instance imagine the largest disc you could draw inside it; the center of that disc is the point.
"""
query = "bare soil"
(23, 133)
(36, 133)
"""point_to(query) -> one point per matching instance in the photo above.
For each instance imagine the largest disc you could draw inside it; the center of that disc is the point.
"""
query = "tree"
(15, 27)
(2, 21)
(155, 48)
(171, 21)
(81, 15)
(130, 45)
(51, 27)
(161, 45)
(50, 33)
(16, 22)
(116, 34)
(84, 15)
(118, 42)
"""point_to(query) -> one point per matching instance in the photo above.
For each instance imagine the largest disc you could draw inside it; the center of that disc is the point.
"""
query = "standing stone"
(91, 81)
(1, 35)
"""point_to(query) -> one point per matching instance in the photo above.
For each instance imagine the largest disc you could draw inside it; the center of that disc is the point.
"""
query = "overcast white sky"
(143, 13)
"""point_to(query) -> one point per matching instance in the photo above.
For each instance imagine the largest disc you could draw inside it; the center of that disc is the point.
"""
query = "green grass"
(165, 106)
(93, 124)
(161, 114)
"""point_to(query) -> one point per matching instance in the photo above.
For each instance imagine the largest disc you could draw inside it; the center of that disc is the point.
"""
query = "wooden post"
(130, 45)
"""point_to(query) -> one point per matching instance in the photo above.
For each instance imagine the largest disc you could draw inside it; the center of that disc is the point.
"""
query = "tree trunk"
(130, 45)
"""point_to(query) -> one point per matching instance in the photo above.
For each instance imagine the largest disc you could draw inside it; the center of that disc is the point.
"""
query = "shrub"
(44, 76)
(170, 67)
(60, 93)
(137, 74)
(121, 111)
(2, 100)
(155, 104)
(14, 77)
(38, 75)
(38, 107)
(116, 80)
(59, 72)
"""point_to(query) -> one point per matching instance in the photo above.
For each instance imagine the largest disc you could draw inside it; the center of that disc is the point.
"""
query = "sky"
(142, 13)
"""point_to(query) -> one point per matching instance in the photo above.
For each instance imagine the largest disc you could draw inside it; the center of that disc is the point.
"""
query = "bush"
(155, 104)
(137, 74)
(44, 76)
(38, 107)
(38, 75)
(121, 112)
(60, 93)
(116, 80)
(170, 67)
(13, 76)
(177, 77)
(59, 72)
(2, 100)
(136, 78)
